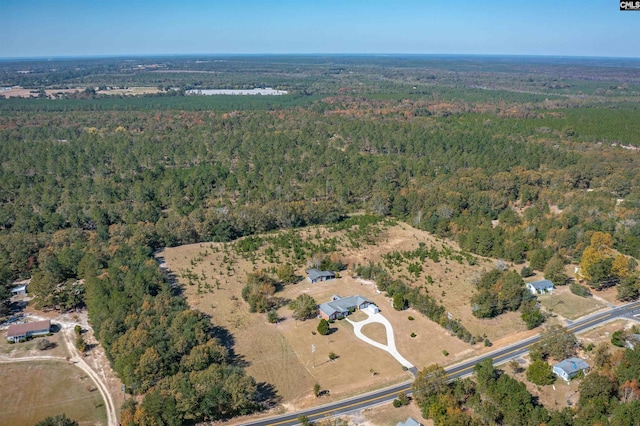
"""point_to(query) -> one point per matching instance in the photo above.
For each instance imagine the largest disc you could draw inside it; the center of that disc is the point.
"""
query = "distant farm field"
(34, 390)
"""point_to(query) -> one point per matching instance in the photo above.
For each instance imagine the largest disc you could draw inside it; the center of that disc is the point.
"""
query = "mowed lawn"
(32, 391)
(569, 305)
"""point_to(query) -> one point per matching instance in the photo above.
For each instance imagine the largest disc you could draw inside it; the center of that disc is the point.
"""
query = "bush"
(410, 318)
(272, 316)
(445, 352)
(617, 339)
(579, 290)
(43, 344)
(540, 373)
(323, 327)
(413, 334)
(526, 271)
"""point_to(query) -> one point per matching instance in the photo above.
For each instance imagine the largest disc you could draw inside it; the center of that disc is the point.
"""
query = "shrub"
(323, 327)
(445, 352)
(579, 290)
(413, 334)
(540, 373)
(487, 342)
(410, 318)
(332, 356)
(316, 389)
(272, 316)
(43, 344)
(617, 339)
(526, 271)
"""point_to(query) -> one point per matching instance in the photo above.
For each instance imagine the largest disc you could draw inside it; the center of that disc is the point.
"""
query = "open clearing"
(213, 275)
(30, 400)
(568, 305)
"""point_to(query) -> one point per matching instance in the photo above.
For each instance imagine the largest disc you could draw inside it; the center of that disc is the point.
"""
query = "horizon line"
(228, 54)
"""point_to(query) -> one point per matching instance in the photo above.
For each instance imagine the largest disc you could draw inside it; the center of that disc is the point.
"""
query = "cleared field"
(569, 305)
(213, 275)
(47, 388)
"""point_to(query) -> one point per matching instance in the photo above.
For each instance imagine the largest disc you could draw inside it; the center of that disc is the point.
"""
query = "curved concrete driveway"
(391, 343)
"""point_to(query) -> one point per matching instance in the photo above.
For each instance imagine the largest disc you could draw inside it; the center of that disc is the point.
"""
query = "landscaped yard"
(34, 390)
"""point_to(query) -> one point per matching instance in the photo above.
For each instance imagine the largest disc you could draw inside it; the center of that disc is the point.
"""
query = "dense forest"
(520, 159)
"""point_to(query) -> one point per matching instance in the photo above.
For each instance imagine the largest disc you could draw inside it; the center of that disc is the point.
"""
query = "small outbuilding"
(17, 332)
(20, 290)
(373, 309)
(569, 368)
(540, 287)
(314, 275)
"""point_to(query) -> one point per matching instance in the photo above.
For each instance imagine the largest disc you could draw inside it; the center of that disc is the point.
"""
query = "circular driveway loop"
(391, 343)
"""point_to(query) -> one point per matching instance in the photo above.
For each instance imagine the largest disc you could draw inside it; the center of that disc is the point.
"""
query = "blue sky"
(50, 28)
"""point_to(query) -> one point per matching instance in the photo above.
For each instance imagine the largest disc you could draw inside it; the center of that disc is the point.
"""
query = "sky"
(53, 28)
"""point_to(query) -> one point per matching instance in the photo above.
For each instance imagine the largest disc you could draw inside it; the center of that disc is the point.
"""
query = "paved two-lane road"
(461, 370)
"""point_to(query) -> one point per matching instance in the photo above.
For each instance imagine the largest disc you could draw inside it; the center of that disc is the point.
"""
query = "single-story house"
(340, 307)
(540, 287)
(570, 367)
(314, 275)
(409, 422)
(18, 332)
(632, 341)
(20, 290)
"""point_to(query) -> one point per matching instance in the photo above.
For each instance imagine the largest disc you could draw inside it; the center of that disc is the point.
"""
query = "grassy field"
(568, 305)
(213, 275)
(47, 388)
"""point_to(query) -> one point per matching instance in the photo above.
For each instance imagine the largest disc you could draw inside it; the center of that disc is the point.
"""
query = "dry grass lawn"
(42, 389)
(213, 275)
(387, 415)
(376, 332)
(568, 305)
(19, 350)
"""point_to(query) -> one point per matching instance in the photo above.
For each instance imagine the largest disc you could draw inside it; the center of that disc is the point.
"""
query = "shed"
(540, 287)
(18, 332)
(20, 290)
(569, 368)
